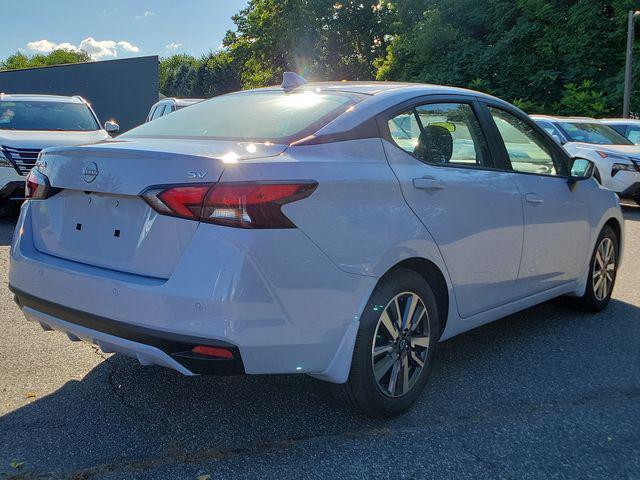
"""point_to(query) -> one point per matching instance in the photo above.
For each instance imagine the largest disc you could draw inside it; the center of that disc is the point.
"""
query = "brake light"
(242, 204)
(37, 186)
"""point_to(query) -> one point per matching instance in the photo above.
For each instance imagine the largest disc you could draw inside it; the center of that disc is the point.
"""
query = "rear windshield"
(252, 116)
(593, 133)
(24, 115)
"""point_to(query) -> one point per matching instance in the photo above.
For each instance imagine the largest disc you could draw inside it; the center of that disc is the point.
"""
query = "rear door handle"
(428, 183)
(533, 198)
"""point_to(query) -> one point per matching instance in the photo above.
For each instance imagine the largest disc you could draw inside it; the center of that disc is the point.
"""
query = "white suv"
(30, 123)
(616, 158)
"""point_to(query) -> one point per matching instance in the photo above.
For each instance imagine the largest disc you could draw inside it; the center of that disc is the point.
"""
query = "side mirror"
(111, 127)
(581, 169)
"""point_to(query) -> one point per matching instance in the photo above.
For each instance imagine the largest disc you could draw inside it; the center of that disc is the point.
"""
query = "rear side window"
(447, 133)
(252, 116)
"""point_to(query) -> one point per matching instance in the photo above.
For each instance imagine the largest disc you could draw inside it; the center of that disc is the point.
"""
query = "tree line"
(546, 56)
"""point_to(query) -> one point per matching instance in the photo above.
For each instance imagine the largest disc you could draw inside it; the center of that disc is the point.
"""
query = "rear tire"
(398, 333)
(603, 269)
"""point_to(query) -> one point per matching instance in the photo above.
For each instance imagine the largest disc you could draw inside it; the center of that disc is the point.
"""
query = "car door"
(472, 209)
(556, 234)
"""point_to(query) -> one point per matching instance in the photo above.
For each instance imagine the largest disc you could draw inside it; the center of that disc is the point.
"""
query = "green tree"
(524, 50)
(176, 74)
(217, 73)
(56, 57)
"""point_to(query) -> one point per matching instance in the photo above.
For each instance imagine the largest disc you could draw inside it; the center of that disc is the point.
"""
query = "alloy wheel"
(401, 344)
(604, 268)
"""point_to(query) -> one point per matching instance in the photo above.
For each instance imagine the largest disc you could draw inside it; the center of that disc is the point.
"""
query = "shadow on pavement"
(7, 225)
(123, 418)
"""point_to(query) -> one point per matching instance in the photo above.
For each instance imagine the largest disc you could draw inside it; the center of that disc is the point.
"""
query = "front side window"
(442, 133)
(50, 116)
(526, 149)
(595, 133)
(266, 115)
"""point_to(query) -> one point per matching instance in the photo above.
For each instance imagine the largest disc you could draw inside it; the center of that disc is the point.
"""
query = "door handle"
(428, 183)
(533, 198)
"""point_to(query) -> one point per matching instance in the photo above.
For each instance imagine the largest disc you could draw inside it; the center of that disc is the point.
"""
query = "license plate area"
(117, 232)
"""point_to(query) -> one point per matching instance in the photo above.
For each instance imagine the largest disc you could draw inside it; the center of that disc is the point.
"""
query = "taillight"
(37, 186)
(242, 204)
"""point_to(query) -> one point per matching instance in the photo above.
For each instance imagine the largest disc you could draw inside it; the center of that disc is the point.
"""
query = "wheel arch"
(434, 277)
(615, 226)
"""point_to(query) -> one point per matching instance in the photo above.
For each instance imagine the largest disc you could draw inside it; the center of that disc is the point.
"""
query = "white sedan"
(339, 230)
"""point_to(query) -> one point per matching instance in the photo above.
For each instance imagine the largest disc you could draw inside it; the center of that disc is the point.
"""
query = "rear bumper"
(150, 347)
(273, 295)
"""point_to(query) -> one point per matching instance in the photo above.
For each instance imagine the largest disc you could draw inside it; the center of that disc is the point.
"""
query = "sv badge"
(196, 174)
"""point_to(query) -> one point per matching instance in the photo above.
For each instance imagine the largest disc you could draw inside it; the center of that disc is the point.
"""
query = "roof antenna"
(291, 81)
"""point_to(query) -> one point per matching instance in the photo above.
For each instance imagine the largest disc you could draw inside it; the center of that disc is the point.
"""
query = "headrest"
(435, 144)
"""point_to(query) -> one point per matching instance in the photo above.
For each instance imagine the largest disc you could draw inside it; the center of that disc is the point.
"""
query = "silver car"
(339, 230)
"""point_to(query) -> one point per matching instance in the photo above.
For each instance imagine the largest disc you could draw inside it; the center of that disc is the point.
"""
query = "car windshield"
(266, 115)
(596, 133)
(39, 115)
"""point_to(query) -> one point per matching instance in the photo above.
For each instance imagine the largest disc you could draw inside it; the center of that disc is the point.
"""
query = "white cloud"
(173, 46)
(47, 46)
(146, 14)
(128, 47)
(97, 49)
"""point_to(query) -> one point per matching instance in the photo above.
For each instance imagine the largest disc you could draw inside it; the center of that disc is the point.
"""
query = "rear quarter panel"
(357, 216)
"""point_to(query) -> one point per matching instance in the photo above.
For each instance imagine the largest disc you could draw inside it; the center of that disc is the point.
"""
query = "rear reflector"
(215, 352)
(243, 205)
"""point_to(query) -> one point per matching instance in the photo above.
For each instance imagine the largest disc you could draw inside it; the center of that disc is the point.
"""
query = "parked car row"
(616, 157)
(337, 229)
(31, 123)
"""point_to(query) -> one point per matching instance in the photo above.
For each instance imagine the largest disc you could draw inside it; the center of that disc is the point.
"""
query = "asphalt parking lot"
(547, 393)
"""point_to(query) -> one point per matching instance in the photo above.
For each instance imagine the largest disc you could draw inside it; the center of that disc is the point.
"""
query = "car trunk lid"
(99, 217)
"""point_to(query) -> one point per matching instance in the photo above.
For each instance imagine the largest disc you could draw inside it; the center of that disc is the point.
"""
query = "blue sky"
(116, 28)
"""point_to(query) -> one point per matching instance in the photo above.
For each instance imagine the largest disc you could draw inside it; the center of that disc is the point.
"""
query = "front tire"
(395, 346)
(603, 269)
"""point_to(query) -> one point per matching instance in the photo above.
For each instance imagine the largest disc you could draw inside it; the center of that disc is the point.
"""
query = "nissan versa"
(335, 229)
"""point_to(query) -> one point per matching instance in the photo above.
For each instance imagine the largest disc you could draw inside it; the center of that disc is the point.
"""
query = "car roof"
(376, 88)
(621, 121)
(22, 97)
(553, 118)
(181, 102)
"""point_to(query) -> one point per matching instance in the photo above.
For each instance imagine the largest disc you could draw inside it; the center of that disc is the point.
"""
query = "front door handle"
(428, 183)
(533, 198)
